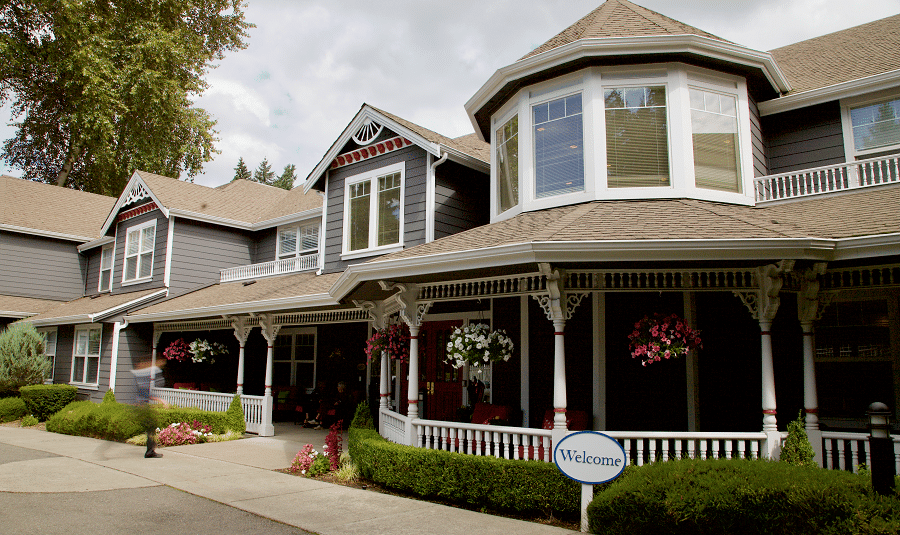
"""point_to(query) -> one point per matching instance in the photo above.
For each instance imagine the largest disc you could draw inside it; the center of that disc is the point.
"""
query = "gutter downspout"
(322, 226)
(431, 202)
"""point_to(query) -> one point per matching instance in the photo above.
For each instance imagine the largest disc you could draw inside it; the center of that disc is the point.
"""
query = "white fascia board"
(852, 88)
(63, 320)
(867, 247)
(365, 113)
(44, 233)
(205, 218)
(99, 242)
(290, 218)
(135, 178)
(268, 305)
(628, 46)
(124, 306)
(585, 251)
(467, 160)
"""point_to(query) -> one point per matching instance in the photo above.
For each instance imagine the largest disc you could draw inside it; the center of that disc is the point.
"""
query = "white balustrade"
(476, 439)
(846, 451)
(266, 269)
(214, 401)
(828, 179)
(394, 426)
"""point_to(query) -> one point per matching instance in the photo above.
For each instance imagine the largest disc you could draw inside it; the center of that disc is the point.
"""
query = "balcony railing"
(828, 179)
(276, 267)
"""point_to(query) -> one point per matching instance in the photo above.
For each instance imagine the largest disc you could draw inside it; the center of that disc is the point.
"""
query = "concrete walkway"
(239, 474)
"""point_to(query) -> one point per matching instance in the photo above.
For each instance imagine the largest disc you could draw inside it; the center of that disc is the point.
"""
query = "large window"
(298, 240)
(374, 214)
(508, 164)
(637, 148)
(876, 127)
(86, 355)
(139, 252)
(558, 146)
(294, 358)
(714, 132)
(106, 263)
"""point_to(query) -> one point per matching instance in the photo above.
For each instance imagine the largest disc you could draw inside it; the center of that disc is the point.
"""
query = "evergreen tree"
(287, 178)
(264, 173)
(241, 172)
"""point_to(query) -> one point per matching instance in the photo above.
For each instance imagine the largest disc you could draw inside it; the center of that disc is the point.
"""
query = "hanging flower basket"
(662, 337)
(477, 345)
(393, 339)
(178, 350)
(203, 351)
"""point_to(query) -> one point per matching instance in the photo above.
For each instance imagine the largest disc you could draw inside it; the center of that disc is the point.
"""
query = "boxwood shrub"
(11, 409)
(43, 401)
(529, 487)
(739, 497)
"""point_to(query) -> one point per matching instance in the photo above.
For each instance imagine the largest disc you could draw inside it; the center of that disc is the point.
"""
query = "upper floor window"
(373, 215)
(508, 164)
(106, 263)
(49, 334)
(714, 133)
(558, 146)
(637, 147)
(298, 240)
(139, 242)
(876, 128)
(86, 355)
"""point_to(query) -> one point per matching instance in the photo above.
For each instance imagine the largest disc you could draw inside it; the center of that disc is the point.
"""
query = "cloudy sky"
(310, 64)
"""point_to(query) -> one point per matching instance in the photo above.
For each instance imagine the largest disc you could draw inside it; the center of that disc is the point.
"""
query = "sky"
(310, 64)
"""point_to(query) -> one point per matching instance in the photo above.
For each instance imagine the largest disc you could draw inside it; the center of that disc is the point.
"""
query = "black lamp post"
(881, 448)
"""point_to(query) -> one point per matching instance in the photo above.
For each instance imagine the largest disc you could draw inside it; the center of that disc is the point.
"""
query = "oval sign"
(589, 457)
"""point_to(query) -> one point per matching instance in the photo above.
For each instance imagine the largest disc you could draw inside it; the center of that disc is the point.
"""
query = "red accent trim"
(240, 384)
(416, 337)
(339, 160)
(559, 411)
(812, 411)
(765, 333)
(389, 144)
(380, 147)
(385, 395)
(134, 212)
(413, 401)
(408, 142)
(560, 333)
(769, 411)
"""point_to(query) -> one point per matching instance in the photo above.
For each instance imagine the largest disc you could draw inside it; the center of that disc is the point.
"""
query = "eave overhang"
(851, 88)
(44, 233)
(625, 47)
(248, 307)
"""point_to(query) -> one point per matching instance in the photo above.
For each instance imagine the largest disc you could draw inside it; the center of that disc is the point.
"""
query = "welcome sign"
(589, 457)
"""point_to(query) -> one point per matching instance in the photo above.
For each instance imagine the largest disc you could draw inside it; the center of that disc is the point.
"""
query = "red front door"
(440, 383)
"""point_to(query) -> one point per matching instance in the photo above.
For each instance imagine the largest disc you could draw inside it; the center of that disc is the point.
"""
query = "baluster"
(445, 445)
(469, 442)
(640, 452)
(703, 449)
(506, 453)
(854, 449)
(868, 456)
(728, 449)
(626, 445)
(419, 430)
(477, 442)
(664, 444)
(842, 454)
(515, 446)
(678, 450)
(742, 449)
(496, 440)
(546, 443)
(692, 449)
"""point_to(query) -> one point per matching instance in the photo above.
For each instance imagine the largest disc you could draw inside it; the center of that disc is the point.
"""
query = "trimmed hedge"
(740, 497)
(11, 409)
(531, 487)
(43, 401)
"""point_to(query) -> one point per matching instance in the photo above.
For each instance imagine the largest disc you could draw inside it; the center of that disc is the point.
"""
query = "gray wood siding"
(461, 199)
(43, 268)
(159, 253)
(65, 346)
(92, 271)
(200, 250)
(756, 138)
(414, 202)
(265, 244)
(105, 364)
(804, 138)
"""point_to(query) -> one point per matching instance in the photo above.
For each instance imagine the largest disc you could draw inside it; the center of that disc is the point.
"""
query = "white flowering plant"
(201, 350)
(478, 345)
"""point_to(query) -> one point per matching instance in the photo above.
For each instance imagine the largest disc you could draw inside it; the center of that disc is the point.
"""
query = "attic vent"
(367, 132)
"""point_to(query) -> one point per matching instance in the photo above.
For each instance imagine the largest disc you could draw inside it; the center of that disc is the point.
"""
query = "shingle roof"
(46, 208)
(850, 54)
(83, 307)
(619, 18)
(468, 144)
(20, 307)
(240, 200)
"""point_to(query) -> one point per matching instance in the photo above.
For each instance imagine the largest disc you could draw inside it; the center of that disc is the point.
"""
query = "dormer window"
(139, 241)
(298, 240)
(373, 215)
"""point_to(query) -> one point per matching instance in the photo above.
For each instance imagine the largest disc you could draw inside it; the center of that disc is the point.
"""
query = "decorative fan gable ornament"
(367, 132)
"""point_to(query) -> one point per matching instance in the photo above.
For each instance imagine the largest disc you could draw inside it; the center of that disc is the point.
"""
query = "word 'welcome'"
(583, 457)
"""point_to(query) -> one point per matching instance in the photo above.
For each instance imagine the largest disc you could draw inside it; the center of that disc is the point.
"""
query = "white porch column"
(377, 316)
(241, 332)
(770, 422)
(269, 332)
(558, 307)
(809, 309)
(383, 389)
(413, 385)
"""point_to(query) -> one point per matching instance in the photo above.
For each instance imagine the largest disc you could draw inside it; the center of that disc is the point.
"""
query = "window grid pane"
(359, 216)
(715, 139)
(389, 209)
(287, 242)
(876, 125)
(558, 147)
(309, 237)
(508, 164)
(637, 149)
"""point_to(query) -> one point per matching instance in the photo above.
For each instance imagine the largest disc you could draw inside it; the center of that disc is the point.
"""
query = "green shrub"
(796, 449)
(110, 421)
(740, 497)
(482, 481)
(219, 422)
(320, 465)
(29, 421)
(363, 417)
(109, 397)
(22, 359)
(12, 409)
(43, 401)
(234, 416)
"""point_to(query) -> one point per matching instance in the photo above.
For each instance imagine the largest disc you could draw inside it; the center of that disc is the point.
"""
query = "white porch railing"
(846, 451)
(254, 406)
(476, 439)
(275, 267)
(828, 179)
(649, 446)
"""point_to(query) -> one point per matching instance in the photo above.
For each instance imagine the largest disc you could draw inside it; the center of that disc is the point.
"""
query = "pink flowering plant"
(333, 445)
(303, 460)
(662, 337)
(179, 434)
(178, 350)
(477, 345)
(393, 339)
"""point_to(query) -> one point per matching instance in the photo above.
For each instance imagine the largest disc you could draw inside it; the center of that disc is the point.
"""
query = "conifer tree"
(264, 173)
(287, 178)
(241, 172)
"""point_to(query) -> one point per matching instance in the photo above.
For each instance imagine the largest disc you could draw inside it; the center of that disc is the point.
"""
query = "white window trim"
(112, 261)
(99, 356)
(138, 279)
(50, 349)
(346, 253)
(591, 82)
(850, 152)
(294, 360)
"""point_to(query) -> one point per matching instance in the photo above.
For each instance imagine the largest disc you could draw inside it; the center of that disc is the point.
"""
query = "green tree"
(264, 173)
(22, 359)
(287, 178)
(241, 172)
(796, 448)
(102, 88)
